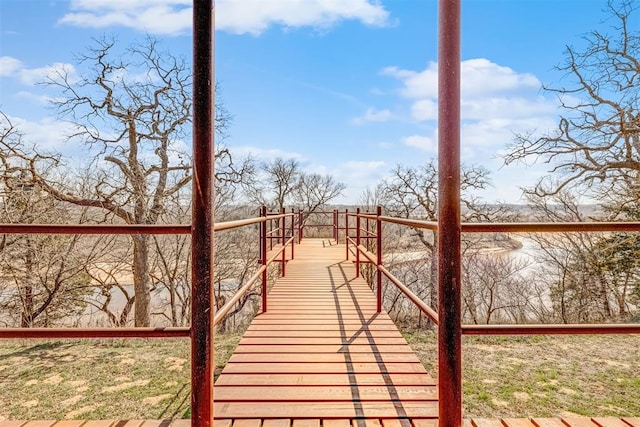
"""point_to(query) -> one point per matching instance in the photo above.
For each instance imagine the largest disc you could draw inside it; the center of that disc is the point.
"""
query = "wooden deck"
(322, 352)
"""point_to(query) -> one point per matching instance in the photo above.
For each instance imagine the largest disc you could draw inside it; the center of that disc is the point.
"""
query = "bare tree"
(282, 182)
(42, 278)
(130, 109)
(597, 141)
(494, 288)
(412, 192)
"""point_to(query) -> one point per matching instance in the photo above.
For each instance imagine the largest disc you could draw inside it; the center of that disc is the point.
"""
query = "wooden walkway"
(321, 352)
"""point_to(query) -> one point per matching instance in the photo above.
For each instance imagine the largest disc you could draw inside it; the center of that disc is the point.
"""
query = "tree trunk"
(141, 280)
(28, 304)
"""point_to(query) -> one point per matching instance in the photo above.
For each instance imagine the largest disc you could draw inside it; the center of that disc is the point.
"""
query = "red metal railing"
(447, 361)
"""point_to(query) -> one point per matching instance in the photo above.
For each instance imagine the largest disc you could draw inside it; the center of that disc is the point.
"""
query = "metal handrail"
(401, 286)
(513, 329)
(126, 228)
(224, 310)
(553, 329)
(169, 332)
(163, 229)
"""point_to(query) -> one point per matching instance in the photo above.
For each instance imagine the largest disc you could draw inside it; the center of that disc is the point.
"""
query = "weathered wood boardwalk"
(322, 352)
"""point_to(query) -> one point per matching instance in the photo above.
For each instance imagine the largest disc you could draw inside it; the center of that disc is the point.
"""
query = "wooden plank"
(322, 357)
(326, 409)
(306, 423)
(99, 423)
(72, 423)
(247, 423)
(548, 422)
(327, 333)
(323, 380)
(517, 422)
(336, 423)
(127, 423)
(315, 327)
(579, 422)
(307, 348)
(609, 422)
(323, 368)
(326, 393)
(12, 423)
(222, 423)
(360, 340)
(182, 423)
(40, 423)
(396, 422)
(486, 422)
(282, 422)
(632, 421)
(369, 422)
(425, 422)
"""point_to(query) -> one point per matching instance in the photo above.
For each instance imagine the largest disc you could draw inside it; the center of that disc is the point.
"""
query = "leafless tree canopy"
(597, 141)
(282, 182)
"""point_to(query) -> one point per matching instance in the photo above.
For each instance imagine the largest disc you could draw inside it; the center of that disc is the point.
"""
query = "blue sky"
(348, 87)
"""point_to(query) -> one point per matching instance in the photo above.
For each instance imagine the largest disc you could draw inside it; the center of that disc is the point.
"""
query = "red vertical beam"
(202, 217)
(335, 225)
(263, 256)
(379, 259)
(346, 231)
(293, 241)
(358, 242)
(271, 235)
(300, 217)
(283, 239)
(449, 331)
(366, 242)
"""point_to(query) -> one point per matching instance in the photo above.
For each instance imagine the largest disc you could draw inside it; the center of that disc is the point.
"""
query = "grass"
(99, 379)
(545, 376)
(149, 379)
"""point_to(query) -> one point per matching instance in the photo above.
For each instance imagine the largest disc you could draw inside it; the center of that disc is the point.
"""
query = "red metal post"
(283, 234)
(367, 244)
(449, 328)
(358, 242)
(300, 228)
(270, 235)
(379, 259)
(335, 225)
(346, 231)
(263, 256)
(293, 241)
(202, 217)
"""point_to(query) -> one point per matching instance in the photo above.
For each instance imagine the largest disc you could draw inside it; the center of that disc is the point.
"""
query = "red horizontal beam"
(549, 227)
(94, 332)
(555, 329)
(94, 229)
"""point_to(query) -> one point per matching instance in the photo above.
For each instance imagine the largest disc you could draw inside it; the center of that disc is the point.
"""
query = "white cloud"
(31, 76)
(425, 109)
(9, 66)
(359, 175)
(234, 16)
(479, 77)
(266, 154)
(48, 134)
(12, 67)
(372, 115)
(425, 143)
(496, 102)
